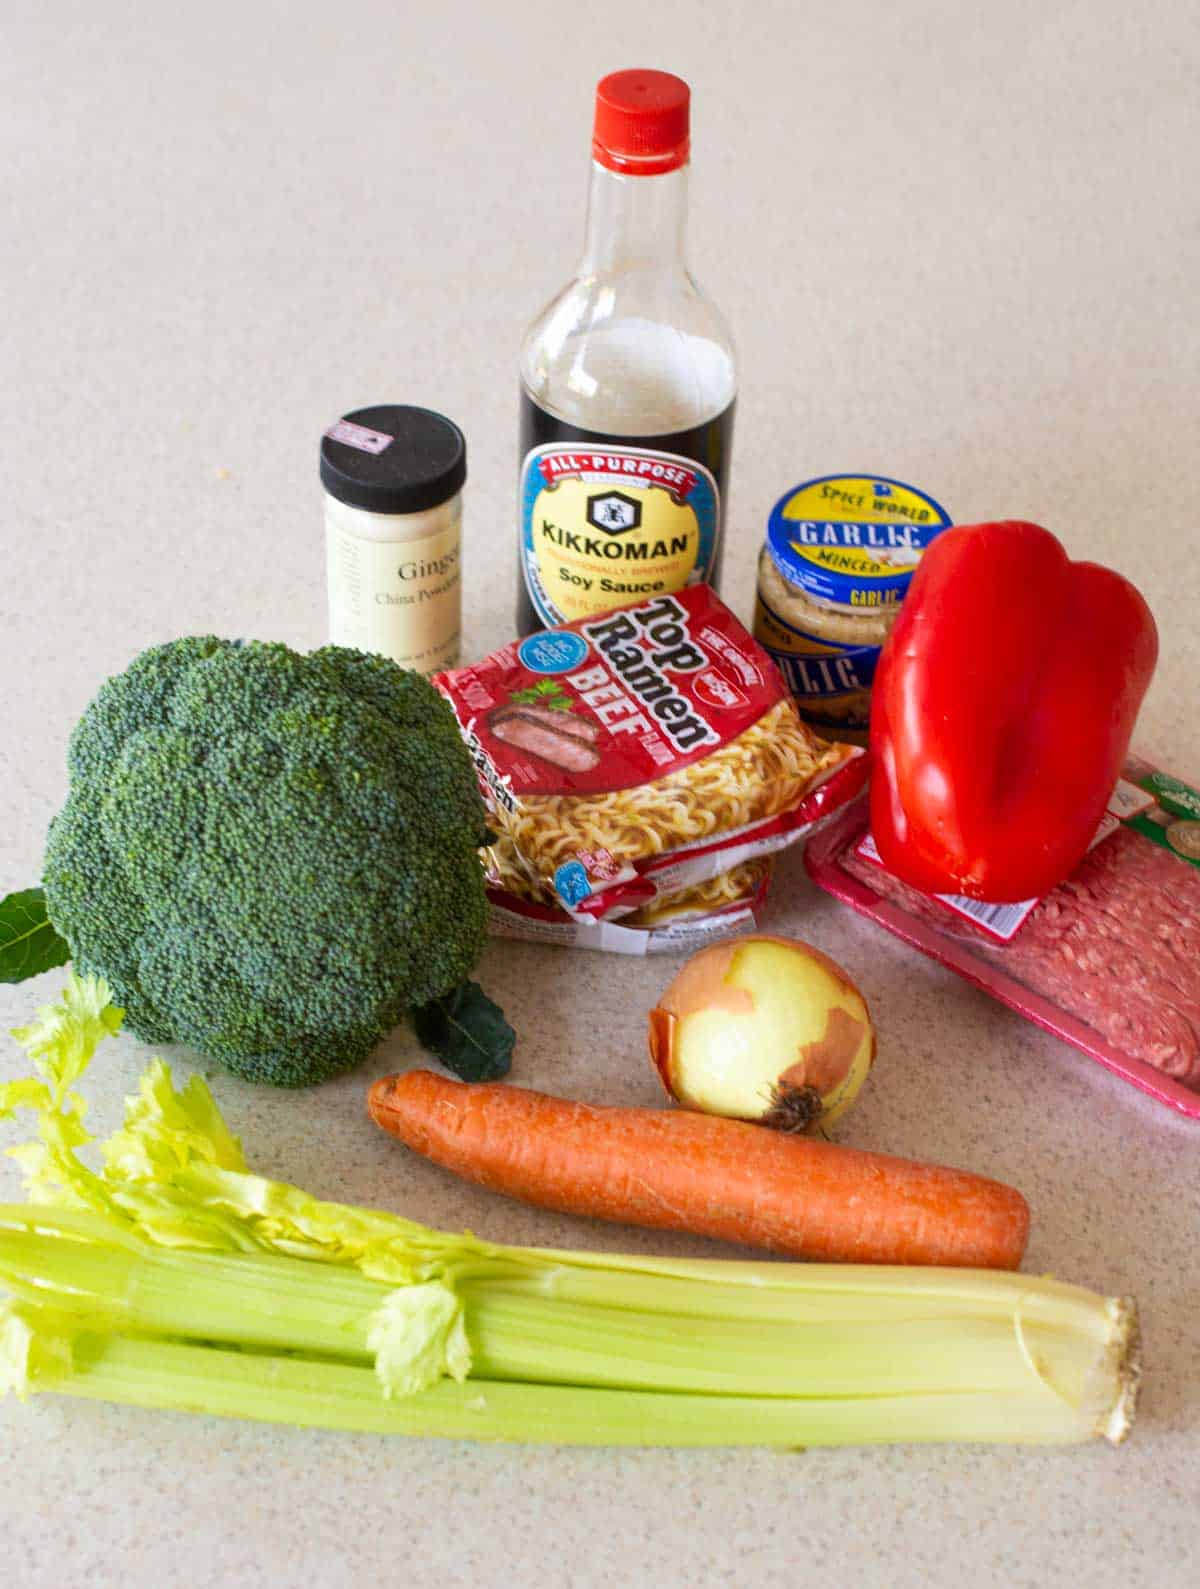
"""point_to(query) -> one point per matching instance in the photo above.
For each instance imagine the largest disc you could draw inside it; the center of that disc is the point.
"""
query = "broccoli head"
(269, 857)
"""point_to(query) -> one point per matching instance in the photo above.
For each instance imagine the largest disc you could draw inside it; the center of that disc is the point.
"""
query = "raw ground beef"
(1117, 946)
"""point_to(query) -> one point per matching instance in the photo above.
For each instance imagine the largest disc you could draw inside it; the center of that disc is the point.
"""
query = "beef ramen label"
(613, 701)
(605, 525)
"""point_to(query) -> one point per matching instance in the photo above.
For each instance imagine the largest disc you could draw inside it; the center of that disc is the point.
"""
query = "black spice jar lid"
(393, 459)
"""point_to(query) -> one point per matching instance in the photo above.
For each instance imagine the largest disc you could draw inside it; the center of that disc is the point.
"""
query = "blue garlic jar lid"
(853, 540)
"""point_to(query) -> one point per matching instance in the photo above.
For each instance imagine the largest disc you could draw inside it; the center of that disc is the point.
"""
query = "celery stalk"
(846, 1333)
(245, 1299)
(355, 1318)
(182, 1377)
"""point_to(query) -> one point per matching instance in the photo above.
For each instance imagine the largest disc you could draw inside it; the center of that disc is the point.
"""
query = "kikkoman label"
(602, 526)
(853, 540)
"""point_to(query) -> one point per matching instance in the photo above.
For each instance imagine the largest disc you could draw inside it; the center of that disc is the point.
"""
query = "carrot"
(673, 1169)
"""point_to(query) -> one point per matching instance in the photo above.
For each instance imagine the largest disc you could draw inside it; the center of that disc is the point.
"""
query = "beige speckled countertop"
(958, 244)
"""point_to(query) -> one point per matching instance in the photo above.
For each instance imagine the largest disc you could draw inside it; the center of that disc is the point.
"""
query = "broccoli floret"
(270, 857)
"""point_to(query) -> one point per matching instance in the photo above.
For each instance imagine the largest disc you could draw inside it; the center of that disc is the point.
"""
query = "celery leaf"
(62, 1037)
(418, 1337)
(35, 1348)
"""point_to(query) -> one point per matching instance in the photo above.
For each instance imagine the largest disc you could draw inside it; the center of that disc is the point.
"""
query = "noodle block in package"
(675, 923)
(643, 752)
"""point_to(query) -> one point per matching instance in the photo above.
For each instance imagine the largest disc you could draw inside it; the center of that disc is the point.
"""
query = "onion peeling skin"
(765, 1029)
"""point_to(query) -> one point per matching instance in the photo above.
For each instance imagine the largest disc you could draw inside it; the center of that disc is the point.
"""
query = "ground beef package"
(1109, 961)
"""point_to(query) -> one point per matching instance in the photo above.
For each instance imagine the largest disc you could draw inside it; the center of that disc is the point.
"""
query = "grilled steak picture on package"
(562, 721)
(541, 733)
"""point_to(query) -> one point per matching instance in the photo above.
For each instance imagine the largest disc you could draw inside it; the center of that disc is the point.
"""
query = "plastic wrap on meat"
(1117, 946)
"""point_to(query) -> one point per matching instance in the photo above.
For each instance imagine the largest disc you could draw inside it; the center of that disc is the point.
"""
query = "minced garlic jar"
(839, 555)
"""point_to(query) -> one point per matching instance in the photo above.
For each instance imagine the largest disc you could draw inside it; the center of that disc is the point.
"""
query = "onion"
(765, 1029)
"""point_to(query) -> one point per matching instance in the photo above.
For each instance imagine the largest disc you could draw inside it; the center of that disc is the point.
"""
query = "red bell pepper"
(1001, 712)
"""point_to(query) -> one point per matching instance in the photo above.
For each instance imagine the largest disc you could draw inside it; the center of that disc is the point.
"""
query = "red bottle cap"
(641, 122)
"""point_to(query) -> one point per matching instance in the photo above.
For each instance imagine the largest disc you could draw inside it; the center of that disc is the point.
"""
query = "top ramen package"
(674, 923)
(643, 752)
(1108, 960)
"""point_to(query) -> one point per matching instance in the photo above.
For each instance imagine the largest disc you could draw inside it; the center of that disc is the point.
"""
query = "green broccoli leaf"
(467, 1031)
(29, 945)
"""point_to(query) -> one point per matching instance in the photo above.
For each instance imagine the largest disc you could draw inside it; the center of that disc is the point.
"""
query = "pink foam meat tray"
(823, 859)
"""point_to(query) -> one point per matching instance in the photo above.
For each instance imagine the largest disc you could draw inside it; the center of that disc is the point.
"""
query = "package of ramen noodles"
(521, 907)
(642, 752)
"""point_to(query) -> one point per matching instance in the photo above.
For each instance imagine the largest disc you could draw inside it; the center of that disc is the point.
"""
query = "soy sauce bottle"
(627, 384)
